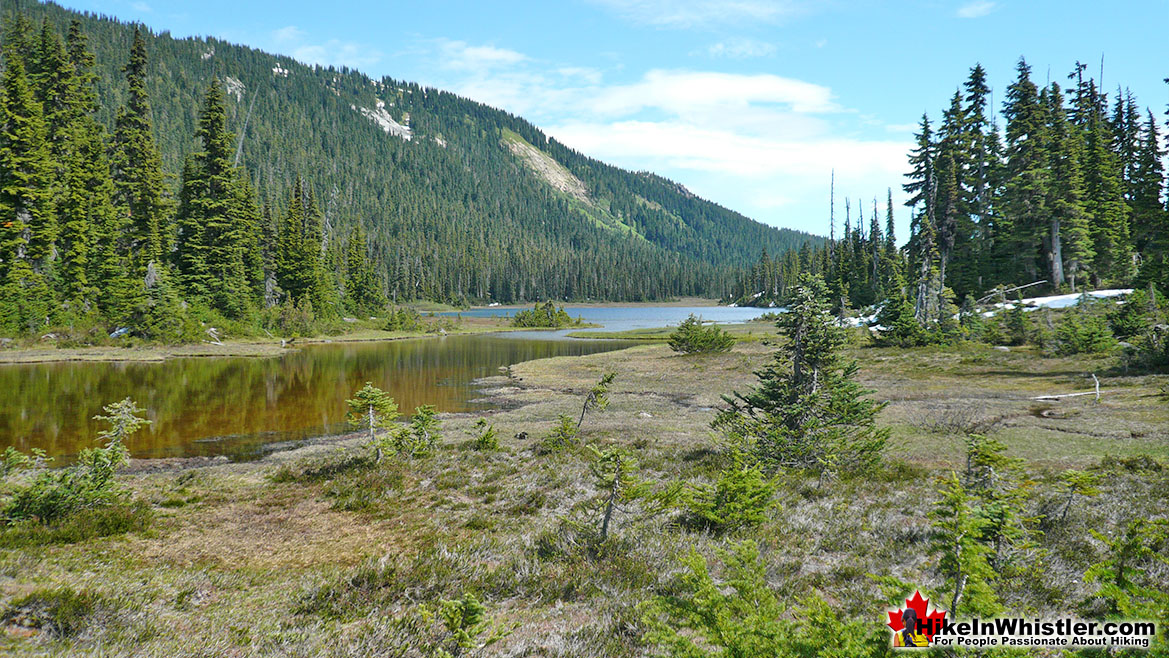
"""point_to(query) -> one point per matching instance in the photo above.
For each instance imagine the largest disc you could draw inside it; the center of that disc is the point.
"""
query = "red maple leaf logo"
(931, 621)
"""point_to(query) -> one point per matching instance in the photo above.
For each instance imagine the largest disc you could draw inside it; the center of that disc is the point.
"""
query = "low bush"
(1135, 314)
(60, 613)
(421, 436)
(1081, 332)
(79, 501)
(563, 435)
(544, 316)
(117, 519)
(485, 436)
(741, 498)
(691, 338)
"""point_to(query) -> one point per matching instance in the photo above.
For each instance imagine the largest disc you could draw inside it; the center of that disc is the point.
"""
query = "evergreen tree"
(28, 225)
(1067, 244)
(1150, 219)
(1104, 201)
(1027, 180)
(218, 255)
(808, 410)
(137, 168)
(362, 289)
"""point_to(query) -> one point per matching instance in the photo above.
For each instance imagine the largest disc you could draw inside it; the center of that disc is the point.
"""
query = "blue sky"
(750, 103)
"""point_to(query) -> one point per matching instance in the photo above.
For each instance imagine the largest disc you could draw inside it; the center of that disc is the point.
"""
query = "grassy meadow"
(319, 551)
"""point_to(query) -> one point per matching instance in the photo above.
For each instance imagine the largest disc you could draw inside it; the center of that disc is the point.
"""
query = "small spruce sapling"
(421, 436)
(995, 482)
(1074, 483)
(616, 479)
(740, 615)
(963, 557)
(372, 409)
(485, 436)
(691, 338)
(563, 434)
(1126, 579)
(741, 498)
(597, 399)
(102, 463)
(466, 625)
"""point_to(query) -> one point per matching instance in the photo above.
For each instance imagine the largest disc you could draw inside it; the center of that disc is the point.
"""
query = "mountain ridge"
(451, 213)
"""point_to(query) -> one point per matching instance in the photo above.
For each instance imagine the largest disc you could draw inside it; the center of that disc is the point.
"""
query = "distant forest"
(144, 175)
(1068, 193)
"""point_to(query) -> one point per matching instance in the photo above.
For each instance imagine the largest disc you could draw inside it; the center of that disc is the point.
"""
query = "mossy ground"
(319, 552)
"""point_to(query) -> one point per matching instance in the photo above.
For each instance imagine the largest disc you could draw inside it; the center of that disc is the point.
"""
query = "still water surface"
(242, 407)
(236, 406)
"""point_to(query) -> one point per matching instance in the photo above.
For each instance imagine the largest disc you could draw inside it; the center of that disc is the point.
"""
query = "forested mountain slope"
(450, 211)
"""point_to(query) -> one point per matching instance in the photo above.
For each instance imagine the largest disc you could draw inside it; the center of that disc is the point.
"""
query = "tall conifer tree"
(137, 168)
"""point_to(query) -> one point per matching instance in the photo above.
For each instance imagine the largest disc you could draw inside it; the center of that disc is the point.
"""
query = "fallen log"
(1073, 395)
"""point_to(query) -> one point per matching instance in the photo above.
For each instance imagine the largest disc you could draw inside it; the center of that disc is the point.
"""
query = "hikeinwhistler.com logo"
(920, 624)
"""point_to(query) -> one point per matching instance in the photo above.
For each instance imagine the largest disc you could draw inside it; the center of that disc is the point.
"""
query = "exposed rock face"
(548, 169)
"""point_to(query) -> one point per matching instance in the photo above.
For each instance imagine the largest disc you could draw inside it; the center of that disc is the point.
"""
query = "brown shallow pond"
(241, 407)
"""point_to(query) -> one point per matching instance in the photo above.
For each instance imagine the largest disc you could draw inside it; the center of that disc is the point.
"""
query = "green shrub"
(401, 318)
(691, 338)
(740, 615)
(1081, 332)
(60, 613)
(421, 436)
(741, 498)
(1017, 325)
(466, 627)
(563, 435)
(899, 325)
(82, 525)
(53, 495)
(485, 436)
(1134, 315)
(1127, 581)
(544, 316)
(1150, 349)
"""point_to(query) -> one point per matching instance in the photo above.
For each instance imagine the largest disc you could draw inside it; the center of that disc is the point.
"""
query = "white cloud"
(585, 74)
(740, 48)
(762, 144)
(142, 7)
(701, 13)
(460, 55)
(288, 34)
(333, 52)
(976, 9)
(686, 92)
(713, 149)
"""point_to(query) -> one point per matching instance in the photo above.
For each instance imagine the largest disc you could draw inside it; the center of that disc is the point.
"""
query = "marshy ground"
(317, 552)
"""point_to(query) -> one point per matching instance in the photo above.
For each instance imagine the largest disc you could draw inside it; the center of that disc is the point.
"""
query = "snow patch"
(235, 88)
(209, 54)
(440, 141)
(1059, 301)
(383, 119)
(280, 71)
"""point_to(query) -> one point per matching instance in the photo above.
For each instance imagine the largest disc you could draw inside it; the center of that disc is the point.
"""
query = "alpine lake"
(245, 407)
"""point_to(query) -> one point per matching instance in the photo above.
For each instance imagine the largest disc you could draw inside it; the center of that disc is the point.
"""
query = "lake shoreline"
(247, 347)
(681, 302)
